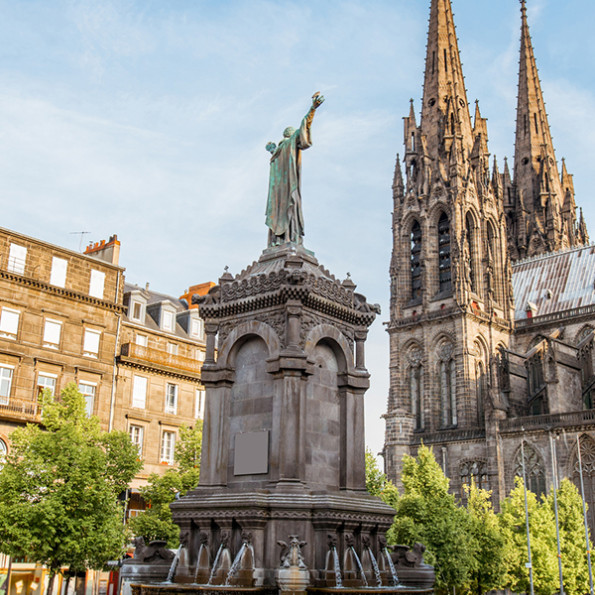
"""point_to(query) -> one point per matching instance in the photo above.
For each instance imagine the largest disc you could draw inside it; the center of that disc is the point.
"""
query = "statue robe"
(284, 206)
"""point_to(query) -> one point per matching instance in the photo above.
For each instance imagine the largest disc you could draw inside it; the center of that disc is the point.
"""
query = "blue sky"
(149, 119)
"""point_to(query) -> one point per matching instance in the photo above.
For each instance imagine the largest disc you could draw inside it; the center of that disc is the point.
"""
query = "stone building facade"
(135, 354)
(492, 303)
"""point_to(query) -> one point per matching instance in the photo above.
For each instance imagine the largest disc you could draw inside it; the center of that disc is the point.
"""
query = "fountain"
(283, 437)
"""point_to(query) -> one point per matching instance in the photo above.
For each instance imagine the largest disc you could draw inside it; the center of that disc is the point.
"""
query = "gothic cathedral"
(492, 303)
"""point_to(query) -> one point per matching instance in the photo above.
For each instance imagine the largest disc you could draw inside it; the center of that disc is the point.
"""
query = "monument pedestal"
(283, 437)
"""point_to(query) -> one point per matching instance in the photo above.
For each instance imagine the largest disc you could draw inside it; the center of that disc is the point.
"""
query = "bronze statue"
(284, 216)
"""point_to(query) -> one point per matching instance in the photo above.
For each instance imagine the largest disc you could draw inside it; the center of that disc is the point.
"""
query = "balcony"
(148, 358)
(20, 411)
(549, 421)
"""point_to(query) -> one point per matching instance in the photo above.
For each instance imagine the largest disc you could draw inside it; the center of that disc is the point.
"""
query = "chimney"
(107, 251)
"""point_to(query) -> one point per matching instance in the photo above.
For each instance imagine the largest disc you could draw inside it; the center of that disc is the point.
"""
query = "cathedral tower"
(542, 213)
(450, 272)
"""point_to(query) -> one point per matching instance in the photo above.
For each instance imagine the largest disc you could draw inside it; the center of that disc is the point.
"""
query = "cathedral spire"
(445, 111)
(535, 169)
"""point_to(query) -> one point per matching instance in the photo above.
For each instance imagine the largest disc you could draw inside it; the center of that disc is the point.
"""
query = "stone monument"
(281, 504)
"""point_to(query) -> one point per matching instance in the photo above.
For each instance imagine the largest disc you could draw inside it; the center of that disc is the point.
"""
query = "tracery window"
(534, 469)
(444, 273)
(536, 385)
(476, 472)
(587, 446)
(416, 240)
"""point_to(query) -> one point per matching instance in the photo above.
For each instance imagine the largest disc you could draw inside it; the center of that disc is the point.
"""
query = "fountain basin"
(187, 589)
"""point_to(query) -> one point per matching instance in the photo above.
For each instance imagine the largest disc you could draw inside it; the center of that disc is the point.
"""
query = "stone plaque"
(251, 453)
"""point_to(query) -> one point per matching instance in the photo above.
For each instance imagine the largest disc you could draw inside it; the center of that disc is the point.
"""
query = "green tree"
(572, 538)
(377, 483)
(156, 522)
(488, 570)
(542, 530)
(59, 489)
(427, 513)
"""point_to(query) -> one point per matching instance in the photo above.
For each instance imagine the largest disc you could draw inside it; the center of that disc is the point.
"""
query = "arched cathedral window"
(469, 253)
(448, 389)
(415, 380)
(481, 390)
(444, 254)
(587, 446)
(476, 472)
(534, 469)
(416, 261)
(492, 266)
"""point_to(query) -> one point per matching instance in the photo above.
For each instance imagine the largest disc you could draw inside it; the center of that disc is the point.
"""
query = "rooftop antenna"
(80, 233)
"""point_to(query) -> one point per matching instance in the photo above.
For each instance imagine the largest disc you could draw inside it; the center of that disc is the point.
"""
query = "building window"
(196, 328)
(481, 390)
(415, 261)
(444, 254)
(167, 320)
(137, 434)
(88, 391)
(200, 355)
(476, 472)
(168, 443)
(199, 405)
(58, 274)
(46, 381)
(139, 392)
(5, 384)
(448, 388)
(9, 323)
(96, 284)
(91, 343)
(534, 469)
(17, 258)
(141, 340)
(469, 254)
(587, 446)
(172, 349)
(171, 398)
(415, 392)
(51, 333)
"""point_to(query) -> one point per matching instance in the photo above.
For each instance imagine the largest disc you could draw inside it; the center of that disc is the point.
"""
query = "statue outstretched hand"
(317, 100)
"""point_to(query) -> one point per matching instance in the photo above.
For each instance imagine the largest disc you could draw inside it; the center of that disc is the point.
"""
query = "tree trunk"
(50, 588)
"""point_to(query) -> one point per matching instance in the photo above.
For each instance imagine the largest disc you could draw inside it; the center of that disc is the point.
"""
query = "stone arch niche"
(250, 413)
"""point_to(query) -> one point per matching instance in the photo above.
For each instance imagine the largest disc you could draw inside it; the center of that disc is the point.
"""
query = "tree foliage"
(542, 531)
(156, 522)
(428, 513)
(572, 538)
(489, 545)
(377, 483)
(59, 488)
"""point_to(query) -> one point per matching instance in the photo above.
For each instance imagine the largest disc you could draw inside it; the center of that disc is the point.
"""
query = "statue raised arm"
(284, 216)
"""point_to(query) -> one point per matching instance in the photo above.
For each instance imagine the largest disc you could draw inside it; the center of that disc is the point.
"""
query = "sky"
(149, 119)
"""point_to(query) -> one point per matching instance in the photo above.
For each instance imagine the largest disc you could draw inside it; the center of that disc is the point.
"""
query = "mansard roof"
(555, 283)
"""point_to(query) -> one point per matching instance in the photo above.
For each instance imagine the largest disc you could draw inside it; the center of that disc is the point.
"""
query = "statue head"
(288, 132)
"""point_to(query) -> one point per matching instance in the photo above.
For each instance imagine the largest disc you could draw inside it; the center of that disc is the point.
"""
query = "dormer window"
(167, 320)
(137, 311)
(196, 328)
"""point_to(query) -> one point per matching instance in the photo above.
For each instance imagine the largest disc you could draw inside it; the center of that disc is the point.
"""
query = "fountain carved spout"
(370, 564)
(353, 573)
(203, 560)
(222, 562)
(241, 572)
(332, 567)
